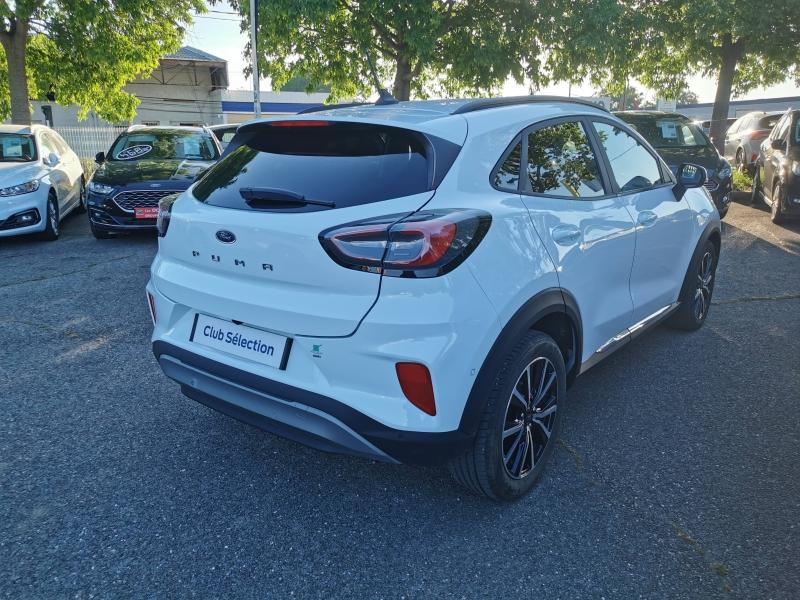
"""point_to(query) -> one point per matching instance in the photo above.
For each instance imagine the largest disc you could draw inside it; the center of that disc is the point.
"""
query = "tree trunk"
(402, 79)
(730, 54)
(14, 43)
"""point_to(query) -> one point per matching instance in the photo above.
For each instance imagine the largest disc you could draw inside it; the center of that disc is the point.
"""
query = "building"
(237, 105)
(185, 89)
(737, 108)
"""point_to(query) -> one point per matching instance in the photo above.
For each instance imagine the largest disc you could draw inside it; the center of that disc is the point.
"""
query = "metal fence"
(88, 141)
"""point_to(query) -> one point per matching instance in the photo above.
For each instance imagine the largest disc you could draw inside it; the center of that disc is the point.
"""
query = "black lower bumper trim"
(309, 418)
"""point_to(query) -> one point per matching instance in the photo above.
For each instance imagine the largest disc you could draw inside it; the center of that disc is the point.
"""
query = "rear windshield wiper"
(276, 198)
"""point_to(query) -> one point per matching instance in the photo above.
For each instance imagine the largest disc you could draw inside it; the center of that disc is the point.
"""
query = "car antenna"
(384, 96)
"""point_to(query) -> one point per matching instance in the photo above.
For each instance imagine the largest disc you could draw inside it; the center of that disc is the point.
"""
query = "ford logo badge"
(225, 236)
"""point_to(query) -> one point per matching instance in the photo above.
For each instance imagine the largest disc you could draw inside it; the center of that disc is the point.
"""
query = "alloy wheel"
(705, 281)
(52, 217)
(530, 417)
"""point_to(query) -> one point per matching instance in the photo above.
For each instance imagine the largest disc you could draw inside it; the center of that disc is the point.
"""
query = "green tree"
(629, 98)
(741, 45)
(84, 51)
(687, 97)
(423, 46)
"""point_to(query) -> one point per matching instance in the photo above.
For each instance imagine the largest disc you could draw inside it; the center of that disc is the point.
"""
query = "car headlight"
(100, 188)
(22, 188)
(725, 172)
(796, 168)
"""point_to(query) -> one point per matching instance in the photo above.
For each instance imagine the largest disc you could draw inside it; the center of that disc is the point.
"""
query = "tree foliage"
(741, 45)
(447, 47)
(85, 52)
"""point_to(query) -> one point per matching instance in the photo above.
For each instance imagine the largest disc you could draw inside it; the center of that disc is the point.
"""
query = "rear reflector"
(415, 381)
(151, 302)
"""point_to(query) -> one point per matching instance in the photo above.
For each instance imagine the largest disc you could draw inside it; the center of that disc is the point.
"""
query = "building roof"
(193, 54)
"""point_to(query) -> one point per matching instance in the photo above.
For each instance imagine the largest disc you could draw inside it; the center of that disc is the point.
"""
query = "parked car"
(706, 125)
(420, 282)
(224, 133)
(143, 165)
(777, 176)
(41, 181)
(678, 140)
(744, 137)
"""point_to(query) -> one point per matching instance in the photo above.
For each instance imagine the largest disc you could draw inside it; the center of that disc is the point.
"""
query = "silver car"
(743, 139)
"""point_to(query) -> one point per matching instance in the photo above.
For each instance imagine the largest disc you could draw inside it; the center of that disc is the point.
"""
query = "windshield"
(15, 147)
(188, 145)
(668, 132)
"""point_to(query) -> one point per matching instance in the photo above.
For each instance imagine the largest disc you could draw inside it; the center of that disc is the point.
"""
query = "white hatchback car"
(420, 282)
(41, 181)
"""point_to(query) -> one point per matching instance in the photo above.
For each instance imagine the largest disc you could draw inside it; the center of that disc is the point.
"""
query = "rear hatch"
(243, 243)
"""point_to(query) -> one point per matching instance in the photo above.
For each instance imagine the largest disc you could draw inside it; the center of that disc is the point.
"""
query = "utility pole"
(254, 57)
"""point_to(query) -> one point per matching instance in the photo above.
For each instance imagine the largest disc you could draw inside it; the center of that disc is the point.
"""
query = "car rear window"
(768, 122)
(328, 164)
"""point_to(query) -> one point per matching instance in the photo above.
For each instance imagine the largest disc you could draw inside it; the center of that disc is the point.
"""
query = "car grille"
(141, 198)
(711, 185)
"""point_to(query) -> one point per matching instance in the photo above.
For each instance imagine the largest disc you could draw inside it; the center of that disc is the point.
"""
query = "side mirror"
(100, 158)
(777, 144)
(689, 176)
(51, 160)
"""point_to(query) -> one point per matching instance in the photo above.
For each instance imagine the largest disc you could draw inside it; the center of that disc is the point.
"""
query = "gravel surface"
(676, 475)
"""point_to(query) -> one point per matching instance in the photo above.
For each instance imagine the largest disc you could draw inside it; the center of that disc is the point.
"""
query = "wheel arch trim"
(550, 301)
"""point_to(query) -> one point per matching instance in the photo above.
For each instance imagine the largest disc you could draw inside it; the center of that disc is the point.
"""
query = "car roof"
(445, 118)
(23, 129)
(656, 114)
(164, 128)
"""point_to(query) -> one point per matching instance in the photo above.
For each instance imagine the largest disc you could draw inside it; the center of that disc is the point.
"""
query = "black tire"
(81, 208)
(740, 160)
(755, 195)
(99, 233)
(698, 287)
(52, 226)
(723, 211)
(776, 210)
(512, 436)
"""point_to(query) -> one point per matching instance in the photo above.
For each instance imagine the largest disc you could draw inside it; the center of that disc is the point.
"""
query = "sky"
(218, 33)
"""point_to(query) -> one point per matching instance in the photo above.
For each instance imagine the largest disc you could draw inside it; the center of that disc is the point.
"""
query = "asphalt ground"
(676, 475)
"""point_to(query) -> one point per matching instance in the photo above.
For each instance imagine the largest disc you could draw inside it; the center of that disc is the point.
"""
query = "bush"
(742, 181)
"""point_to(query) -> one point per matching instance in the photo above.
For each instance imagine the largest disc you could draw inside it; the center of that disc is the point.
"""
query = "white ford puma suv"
(420, 282)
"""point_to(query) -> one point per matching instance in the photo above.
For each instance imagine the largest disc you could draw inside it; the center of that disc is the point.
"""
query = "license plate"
(240, 340)
(146, 212)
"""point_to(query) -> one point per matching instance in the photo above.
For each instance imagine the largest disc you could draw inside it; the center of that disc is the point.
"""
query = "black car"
(777, 177)
(144, 165)
(679, 140)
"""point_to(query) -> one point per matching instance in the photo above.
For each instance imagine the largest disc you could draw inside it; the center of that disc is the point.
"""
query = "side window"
(561, 162)
(48, 146)
(781, 128)
(633, 166)
(60, 143)
(506, 174)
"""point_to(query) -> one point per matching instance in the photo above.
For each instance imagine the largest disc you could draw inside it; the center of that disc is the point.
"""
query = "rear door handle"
(566, 235)
(647, 218)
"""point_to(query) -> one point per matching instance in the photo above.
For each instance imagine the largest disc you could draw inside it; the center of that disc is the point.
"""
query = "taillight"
(423, 244)
(759, 134)
(164, 212)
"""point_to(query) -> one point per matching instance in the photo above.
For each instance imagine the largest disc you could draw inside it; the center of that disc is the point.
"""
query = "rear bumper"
(300, 415)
